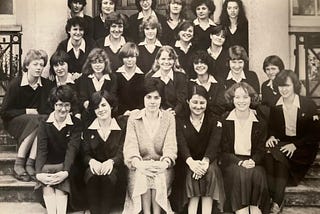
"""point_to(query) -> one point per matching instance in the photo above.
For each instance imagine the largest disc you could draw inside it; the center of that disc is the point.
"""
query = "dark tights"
(277, 177)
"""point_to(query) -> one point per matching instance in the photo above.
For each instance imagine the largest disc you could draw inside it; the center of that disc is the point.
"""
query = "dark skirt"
(53, 168)
(245, 187)
(299, 164)
(22, 126)
(185, 187)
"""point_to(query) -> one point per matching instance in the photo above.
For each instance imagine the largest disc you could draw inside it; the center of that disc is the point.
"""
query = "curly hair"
(224, 17)
(196, 3)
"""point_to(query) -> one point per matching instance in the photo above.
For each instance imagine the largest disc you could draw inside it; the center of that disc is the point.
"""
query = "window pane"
(6, 7)
(303, 7)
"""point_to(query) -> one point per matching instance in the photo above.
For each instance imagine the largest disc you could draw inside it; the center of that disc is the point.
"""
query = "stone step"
(301, 210)
(12, 190)
(6, 162)
(8, 148)
(307, 193)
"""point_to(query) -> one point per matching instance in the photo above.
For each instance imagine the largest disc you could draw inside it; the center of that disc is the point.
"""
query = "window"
(304, 13)
(7, 12)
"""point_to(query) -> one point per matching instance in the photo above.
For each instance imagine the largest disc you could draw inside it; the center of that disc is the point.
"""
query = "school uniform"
(249, 77)
(135, 21)
(169, 34)
(175, 90)
(77, 59)
(215, 92)
(115, 61)
(218, 64)
(185, 58)
(99, 30)
(146, 59)
(269, 94)
(129, 87)
(103, 146)
(21, 96)
(197, 143)
(202, 36)
(239, 37)
(298, 125)
(244, 186)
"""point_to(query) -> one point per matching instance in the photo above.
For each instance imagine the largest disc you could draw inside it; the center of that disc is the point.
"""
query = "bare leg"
(155, 206)
(193, 205)
(146, 202)
(206, 205)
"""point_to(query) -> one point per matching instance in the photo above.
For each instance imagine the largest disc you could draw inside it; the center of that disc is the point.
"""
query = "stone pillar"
(268, 32)
(43, 24)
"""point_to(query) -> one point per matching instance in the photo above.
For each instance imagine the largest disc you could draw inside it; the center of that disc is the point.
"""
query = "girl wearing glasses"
(58, 144)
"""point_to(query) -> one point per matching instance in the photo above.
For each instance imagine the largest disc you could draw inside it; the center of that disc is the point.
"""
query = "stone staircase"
(18, 197)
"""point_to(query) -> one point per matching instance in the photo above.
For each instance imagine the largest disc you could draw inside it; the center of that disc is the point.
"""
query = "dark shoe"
(22, 177)
(30, 168)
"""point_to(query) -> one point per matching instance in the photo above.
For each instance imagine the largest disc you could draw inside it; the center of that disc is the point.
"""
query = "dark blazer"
(18, 98)
(258, 139)
(56, 146)
(307, 123)
(175, 92)
(269, 96)
(251, 79)
(75, 65)
(94, 146)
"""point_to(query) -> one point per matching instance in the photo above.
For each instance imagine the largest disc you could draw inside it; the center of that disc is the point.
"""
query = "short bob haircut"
(218, 30)
(96, 98)
(238, 52)
(172, 53)
(115, 18)
(75, 21)
(129, 49)
(139, 8)
(58, 57)
(273, 60)
(183, 26)
(195, 89)
(229, 94)
(83, 2)
(224, 17)
(34, 55)
(96, 54)
(64, 93)
(282, 77)
(99, 3)
(196, 3)
(183, 8)
(151, 22)
(153, 84)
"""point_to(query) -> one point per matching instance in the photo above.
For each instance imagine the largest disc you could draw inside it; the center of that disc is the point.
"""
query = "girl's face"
(197, 105)
(76, 7)
(150, 33)
(35, 68)
(287, 90)
(61, 69)
(152, 101)
(76, 33)
(145, 4)
(104, 110)
(236, 65)
(61, 110)
(200, 68)
(186, 35)
(130, 61)
(175, 7)
(217, 39)
(116, 30)
(202, 11)
(241, 100)
(272, 71)
(107, 7)
(98, 66)
(233, 9)
(165, 61)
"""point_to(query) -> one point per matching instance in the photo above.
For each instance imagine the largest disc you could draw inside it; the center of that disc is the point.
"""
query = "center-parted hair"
(99, 3)
(195, 89)
(230, 94)
(152, 85)
(183, 26)
(115, 18)
(182, 14)
(282, 77)
(83, 2)
(58, 57)
(139, 8)
(150, 22)
(64, 93)
(172, 53)
(224, 17)
(94, 55)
